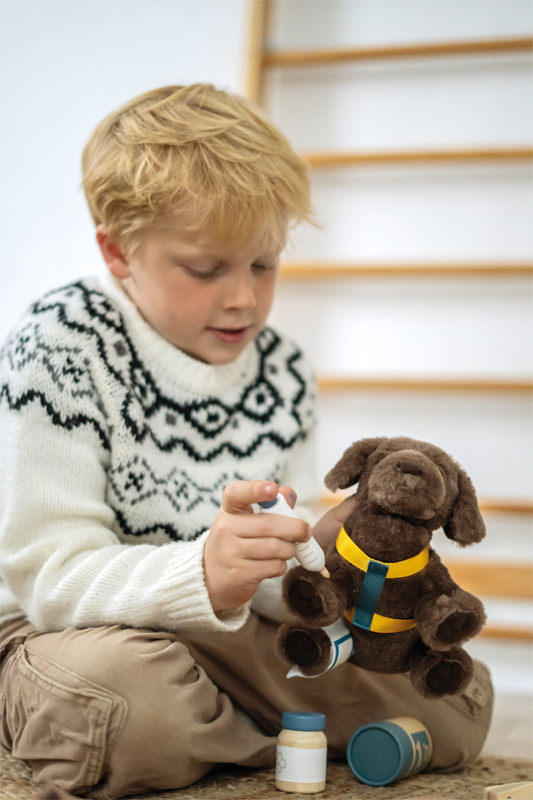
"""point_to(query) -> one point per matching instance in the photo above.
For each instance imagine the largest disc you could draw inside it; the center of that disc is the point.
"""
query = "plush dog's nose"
(410, 467)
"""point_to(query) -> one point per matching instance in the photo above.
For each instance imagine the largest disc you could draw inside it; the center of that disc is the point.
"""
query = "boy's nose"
(240, 294)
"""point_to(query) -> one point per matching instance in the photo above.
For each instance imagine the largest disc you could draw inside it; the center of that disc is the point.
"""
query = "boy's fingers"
(289, 494)
(272, 568)
(268, 548)
(267, 526)
(239, 495)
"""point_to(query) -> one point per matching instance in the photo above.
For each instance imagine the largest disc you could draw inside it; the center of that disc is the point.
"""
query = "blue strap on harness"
(369, 594)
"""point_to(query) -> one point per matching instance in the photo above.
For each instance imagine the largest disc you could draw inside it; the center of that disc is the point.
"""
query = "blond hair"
(198, 155)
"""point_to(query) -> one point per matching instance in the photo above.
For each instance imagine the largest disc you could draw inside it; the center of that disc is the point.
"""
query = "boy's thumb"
(342, 511)
(328, 526)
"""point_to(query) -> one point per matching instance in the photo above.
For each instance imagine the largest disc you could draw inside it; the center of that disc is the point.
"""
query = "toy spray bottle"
(309, 554)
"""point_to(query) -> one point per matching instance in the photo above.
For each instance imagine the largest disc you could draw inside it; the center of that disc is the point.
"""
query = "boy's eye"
(261, 267)
(205, 274)
(202, 274)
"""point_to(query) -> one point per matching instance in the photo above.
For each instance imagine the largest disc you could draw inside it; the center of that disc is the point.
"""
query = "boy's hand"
(328, 526)
(244, 548)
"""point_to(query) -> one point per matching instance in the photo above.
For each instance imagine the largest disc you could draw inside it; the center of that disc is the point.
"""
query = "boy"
(141, 418)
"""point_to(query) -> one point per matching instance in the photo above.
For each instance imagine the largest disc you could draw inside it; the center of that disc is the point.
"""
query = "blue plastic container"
(383, 752)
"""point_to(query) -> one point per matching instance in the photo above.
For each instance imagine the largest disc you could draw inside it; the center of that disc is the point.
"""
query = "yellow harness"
(363, 614)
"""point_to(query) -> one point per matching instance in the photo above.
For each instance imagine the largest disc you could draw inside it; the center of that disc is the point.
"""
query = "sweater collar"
(177, 365)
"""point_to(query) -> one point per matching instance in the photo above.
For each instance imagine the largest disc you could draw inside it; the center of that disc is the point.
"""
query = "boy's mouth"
(230, 335)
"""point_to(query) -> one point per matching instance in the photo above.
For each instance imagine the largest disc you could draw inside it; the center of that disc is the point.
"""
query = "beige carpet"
(241, 784)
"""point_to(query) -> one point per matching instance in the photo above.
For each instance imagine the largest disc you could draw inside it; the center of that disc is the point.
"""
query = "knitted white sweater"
(115, 449)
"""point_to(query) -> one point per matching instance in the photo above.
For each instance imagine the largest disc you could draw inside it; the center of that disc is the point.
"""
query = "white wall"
(64, 65)
(428, 213)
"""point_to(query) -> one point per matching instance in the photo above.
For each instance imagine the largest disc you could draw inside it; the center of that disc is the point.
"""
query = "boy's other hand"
(244, 548)
(328, 526)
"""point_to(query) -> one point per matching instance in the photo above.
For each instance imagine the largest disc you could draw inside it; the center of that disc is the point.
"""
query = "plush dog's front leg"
(314, 600)
(446, 615)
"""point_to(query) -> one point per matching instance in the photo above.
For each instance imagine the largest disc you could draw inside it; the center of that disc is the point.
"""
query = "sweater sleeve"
(59, 554)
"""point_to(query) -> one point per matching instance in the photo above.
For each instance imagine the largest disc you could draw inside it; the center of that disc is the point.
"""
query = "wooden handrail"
(506, 506)
(490, 579)
(258, 22)
(314, 270)
(486, 506)
(507, 632)
(296, 58)
(327, 159)
(330, 383)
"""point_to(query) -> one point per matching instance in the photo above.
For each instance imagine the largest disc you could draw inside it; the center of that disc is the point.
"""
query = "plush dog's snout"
(407, 483)
(410, 468)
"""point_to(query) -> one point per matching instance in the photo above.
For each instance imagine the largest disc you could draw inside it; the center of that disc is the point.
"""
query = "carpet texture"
(240, 784)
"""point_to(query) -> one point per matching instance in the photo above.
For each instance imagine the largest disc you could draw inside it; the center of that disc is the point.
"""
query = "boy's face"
(209, 299)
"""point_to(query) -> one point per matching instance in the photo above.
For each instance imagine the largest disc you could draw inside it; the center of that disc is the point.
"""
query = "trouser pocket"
(62, 725)
(477, 695)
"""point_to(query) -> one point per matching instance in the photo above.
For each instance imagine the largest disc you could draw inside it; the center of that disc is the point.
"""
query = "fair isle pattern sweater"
(116, 447)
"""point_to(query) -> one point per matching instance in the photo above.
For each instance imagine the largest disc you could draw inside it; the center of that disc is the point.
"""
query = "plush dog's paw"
(447, 676)
(309, 649)
(437, 674)
(457, 627)
(450, 619)
(301, 648)
(316, 600)
(304, 598)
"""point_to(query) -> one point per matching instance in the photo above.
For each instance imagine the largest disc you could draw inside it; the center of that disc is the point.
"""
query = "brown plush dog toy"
(399, 603)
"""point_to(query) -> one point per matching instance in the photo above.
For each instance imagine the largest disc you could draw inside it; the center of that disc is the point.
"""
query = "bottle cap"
(303, 720)
(268, 503)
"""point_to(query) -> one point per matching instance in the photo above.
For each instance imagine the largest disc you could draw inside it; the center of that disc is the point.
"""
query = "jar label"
(301, 765)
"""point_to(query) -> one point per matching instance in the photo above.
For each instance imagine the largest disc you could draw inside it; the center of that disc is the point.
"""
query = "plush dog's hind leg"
(309, 649)
(440, 673)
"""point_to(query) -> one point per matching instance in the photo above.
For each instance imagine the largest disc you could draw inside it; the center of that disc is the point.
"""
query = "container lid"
(303, 720)
(376, 753)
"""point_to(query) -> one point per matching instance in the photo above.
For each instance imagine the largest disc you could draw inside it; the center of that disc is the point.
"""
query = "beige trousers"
(114, 711)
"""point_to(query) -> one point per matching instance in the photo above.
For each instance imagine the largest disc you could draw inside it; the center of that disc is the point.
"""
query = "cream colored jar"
(301, 753)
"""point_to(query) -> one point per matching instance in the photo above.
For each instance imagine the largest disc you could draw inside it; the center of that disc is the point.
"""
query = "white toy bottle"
(309, 554)
(301, 752)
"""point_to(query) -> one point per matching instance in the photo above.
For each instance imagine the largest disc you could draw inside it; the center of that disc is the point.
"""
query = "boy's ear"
(113, 256)
(347, 471)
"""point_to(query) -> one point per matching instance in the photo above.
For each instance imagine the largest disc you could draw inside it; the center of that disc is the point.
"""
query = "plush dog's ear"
(348, 470)
(466, 524)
